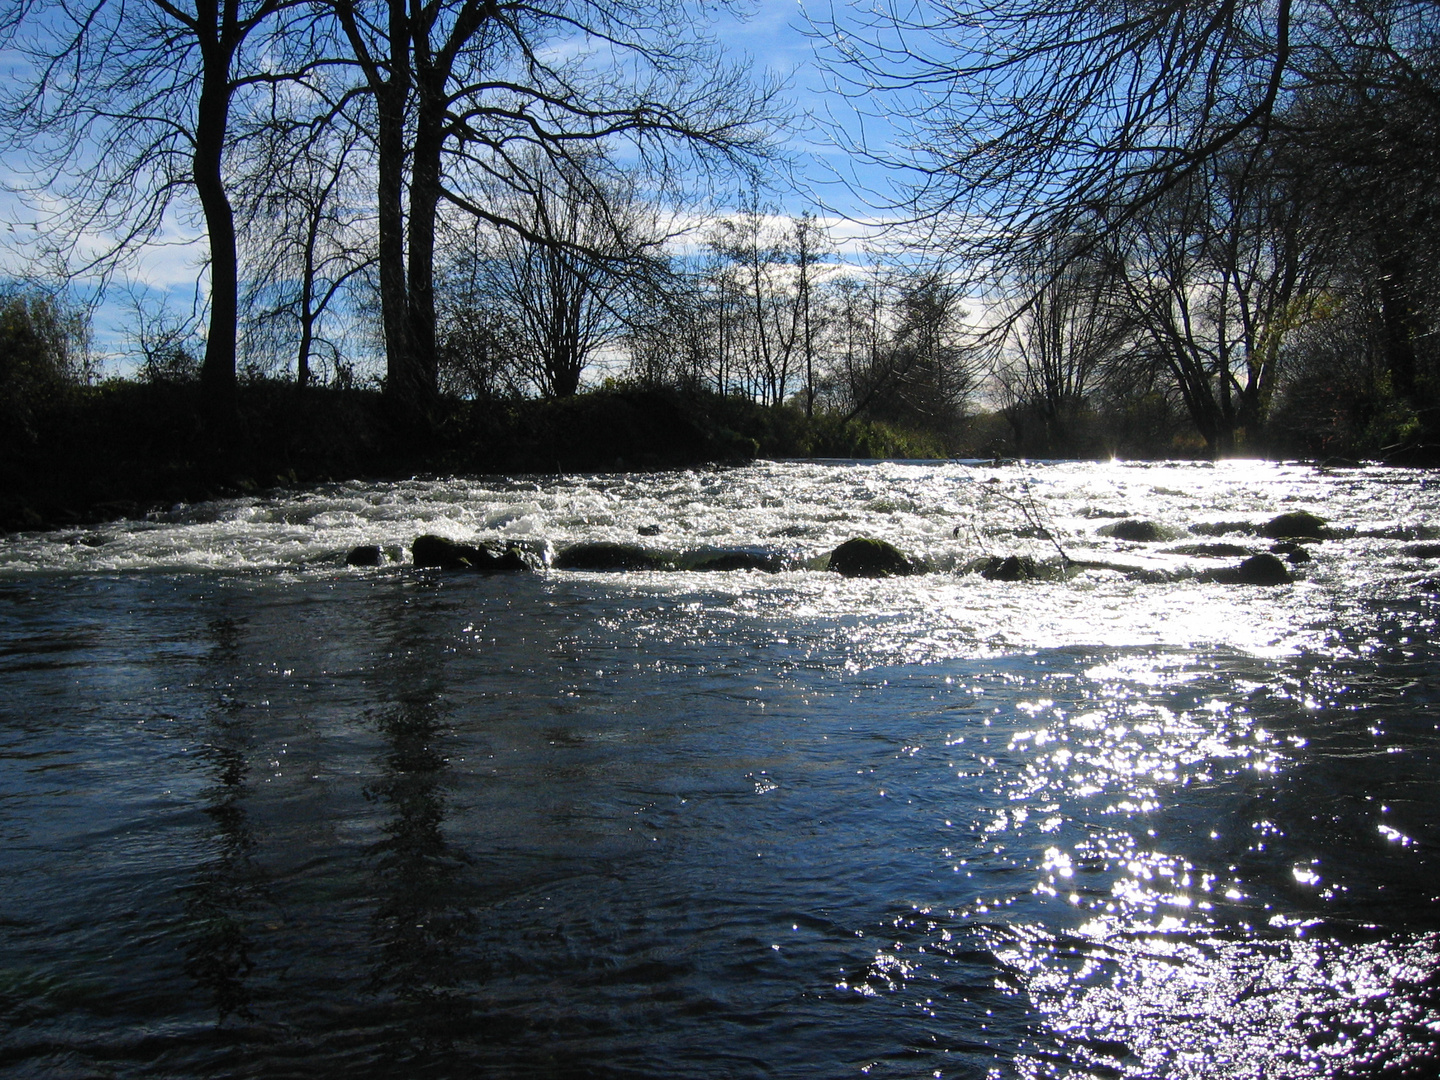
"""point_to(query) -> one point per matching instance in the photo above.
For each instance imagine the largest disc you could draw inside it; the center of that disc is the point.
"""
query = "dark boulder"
(649, 530)
(435, 552)
(1263, 569)
(1138, 531)
(1296, 525)
(603, 555)
(365, 555)
(1012, 568)
(1293, 552)
(867, 557)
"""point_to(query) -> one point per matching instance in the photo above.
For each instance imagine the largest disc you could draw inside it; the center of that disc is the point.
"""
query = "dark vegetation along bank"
(123, 448)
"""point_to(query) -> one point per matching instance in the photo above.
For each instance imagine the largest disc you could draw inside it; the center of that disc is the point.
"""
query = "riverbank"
(123, 449)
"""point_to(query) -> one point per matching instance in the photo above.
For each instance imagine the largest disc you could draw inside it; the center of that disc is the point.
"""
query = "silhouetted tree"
(121, 108)
(469, 93)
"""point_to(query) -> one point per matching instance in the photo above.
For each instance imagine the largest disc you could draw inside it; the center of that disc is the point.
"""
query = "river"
(263, 814)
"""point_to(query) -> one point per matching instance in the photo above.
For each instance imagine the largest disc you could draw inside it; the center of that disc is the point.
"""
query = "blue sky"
(778, 40)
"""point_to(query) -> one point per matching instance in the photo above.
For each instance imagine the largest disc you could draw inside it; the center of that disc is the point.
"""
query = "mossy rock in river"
(1139, 531)
(1011, 568)
(603, 555)
(864, 556)
(1296, 525)
(436, 553)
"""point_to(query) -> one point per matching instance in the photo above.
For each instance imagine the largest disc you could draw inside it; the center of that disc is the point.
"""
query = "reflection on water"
(647, 825)
(221, 901)
(422, 920)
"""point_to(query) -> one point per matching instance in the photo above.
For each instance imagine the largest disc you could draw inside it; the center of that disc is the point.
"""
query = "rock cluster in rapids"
(867, 557)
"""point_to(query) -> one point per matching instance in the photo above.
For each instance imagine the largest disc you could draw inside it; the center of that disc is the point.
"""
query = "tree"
(768, 315)
(305, 235)
(565, 295)
(671, 335)
(1028, 123)
(124, 107)
(1365, 164)
(44, 348)
(1215, 275)
(810, 243)
(469, 93)
(1034, 114)
(1070, 328)
(908, 358)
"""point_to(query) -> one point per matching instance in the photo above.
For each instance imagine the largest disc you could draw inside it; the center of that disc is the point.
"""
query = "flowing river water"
(263, 814)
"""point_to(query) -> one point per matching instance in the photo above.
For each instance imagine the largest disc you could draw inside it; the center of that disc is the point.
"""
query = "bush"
(41, 355)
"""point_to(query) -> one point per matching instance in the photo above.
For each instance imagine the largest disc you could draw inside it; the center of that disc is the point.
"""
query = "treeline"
(1179, 231)
(1221, 212)
(329, 150)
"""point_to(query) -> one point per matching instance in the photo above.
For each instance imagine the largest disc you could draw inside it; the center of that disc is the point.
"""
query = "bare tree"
(1215, 275)
(305, 234)
(810, 243)
(467, 93)
(1028, 120)
(910, 358)
(1050, 358)
(566, 293)
(124, 107)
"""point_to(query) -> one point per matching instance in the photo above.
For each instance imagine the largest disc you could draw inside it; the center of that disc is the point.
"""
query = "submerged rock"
(1139, 531)
(1210, 551)
(435, 552)
(866, 557)
(1296, 525)
(365, 555)
(1221, 528)
(602, 555)
(739, 560)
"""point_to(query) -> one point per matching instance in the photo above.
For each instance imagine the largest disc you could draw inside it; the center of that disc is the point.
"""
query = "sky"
(778, 40)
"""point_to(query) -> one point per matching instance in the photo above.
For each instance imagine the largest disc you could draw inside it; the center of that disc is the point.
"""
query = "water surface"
(266, 815)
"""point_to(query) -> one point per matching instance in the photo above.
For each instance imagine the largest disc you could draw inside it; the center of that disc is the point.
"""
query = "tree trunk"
(391, 98)
(1400, 326)
(217, 372)
(421, 373)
